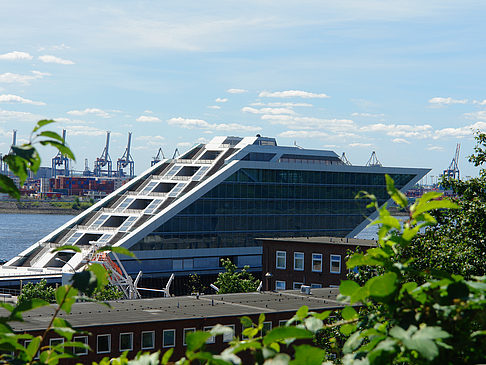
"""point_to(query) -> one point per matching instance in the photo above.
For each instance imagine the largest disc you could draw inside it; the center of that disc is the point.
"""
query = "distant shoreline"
(37, 207)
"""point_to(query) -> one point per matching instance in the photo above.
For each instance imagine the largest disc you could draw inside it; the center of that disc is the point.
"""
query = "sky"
(403, 78)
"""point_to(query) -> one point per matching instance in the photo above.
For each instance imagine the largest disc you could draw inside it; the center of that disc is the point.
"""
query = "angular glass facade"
(255, 203)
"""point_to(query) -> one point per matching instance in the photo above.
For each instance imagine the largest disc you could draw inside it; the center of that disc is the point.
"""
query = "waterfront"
(19, 231)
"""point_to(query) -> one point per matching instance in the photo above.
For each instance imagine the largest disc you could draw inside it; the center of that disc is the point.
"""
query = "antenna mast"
(126, 160)
(373, 161)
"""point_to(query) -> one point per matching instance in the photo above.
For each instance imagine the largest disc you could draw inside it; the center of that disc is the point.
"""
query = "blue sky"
(403, 78)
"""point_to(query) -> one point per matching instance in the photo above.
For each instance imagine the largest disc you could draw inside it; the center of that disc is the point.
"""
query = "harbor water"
(19, 231)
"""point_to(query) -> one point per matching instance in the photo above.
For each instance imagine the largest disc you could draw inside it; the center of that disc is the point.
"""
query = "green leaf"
(196, 340)
(65, 297)
(284, 333)
(29, 304)
(117, 249)
(348, 287)
(322, 316)
(434, 204)
(95, 277)
(18, 166)
(246, 321)
(66, 151)
(33, 347)
(397, 196)
(353, 342)
(349, 313)
(308, 355)
(302, 312)
(51, 134)
(347, 329)
(63, 328)
(8, 186)
(42, 123)
(166, 357)
(382, 286)
(66, 248)
(457, 290)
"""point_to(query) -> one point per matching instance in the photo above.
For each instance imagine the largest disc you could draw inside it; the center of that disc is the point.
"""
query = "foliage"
(24, 158)
(234, 281)
(195, 285)
(38, 290)
(108, 292)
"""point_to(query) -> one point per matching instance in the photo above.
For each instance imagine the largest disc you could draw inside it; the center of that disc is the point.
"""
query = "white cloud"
(54, 59)
(479, 102)
(221, 100)
(460, 132)
(296, 122)
(303, 134)
(184, 144)
(71, 121)
(15, 55)
(435, 148)
(447, 101)
(291, 94)
(248, 109)
(236, 91)
(400, 140)
(476, 115)
(368, 115)
(214, 107)
(84, 130)
(359, 144)
(147, 118)
(10, 78)
(148, 112)
(286, 104)
(16, 116)
(150, 138)
(202, 124)
(400, 130)
(95, 111)
(9, 98)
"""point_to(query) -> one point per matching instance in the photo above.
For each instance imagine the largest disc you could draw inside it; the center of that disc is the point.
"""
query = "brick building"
(163, 323)
(318, 262)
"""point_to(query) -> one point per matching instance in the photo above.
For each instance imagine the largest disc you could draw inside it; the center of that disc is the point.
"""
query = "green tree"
(234, 281)
(38, 290)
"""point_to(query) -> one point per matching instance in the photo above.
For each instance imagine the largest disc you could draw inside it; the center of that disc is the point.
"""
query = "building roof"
(181, 308)
(323, 240)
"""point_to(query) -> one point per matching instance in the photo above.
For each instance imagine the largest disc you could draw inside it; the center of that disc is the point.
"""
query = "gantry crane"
(104, 160)
(453, 170)
(60, 160)
(158, 157)
(126, 160)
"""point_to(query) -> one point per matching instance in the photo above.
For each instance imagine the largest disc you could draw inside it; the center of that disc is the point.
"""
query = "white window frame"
(163, 338)
(268, 329)
(282, 322)
(185, 331)
(120, 341)
(277, 282)
(280, 255)
(108, 335)
(316, 257)
(227, 337)
(335, 258)
(295, 261)
(83, 339)
(211, 339)
(296, 285)
(153, 340)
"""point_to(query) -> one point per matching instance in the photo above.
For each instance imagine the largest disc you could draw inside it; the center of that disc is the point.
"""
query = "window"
(103, 344)
(282, 323)
(336, 264)
(317, 262)
(26, 344)
(211, 339)
(186, 331)
(297, 285)
(298, 261)
(227, 337)
(279, 285)
(281, 262)
(79, 350)
(55, 341)
(148, 340)
(267, 327)
(168, 338)
(126, 341)
(316, 286)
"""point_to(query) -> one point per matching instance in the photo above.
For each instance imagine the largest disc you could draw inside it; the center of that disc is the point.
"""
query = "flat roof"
(180, 308)
(324, 239)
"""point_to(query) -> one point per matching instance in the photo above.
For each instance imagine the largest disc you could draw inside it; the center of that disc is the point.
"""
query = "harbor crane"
(104, 160)
(176, 154)
(345, 160)
(453, 171)
(60, 160)
(4, 165)
(158, 157)
(126, 160)
(373, 161)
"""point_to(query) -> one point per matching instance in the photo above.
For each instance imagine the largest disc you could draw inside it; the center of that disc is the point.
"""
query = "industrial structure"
(158, 157)
(60, 160)
(184, 214)
(103, 164)
(452, 171)
(126, 160)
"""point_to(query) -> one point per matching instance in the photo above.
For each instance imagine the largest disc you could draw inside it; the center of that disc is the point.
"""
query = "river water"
(19, 231)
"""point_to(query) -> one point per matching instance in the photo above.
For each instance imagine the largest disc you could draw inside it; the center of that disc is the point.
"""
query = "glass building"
(183, 215)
